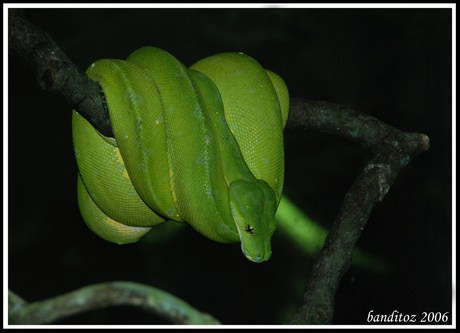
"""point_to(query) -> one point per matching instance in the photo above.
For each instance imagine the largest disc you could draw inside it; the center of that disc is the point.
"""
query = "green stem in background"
(392, 151)
(309, 237)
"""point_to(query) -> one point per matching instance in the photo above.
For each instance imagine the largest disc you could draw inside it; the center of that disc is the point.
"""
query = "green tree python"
(203, 146)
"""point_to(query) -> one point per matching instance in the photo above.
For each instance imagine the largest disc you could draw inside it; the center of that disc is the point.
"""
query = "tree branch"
(392, 150)
(55, 72)
(105, 295)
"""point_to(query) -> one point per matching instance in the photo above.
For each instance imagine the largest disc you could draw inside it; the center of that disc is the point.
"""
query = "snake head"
(253, 206)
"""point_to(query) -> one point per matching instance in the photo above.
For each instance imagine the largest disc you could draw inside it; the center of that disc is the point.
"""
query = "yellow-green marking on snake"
(202, 145)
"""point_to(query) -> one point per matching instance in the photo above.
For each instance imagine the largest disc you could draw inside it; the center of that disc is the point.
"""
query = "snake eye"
(250, 229)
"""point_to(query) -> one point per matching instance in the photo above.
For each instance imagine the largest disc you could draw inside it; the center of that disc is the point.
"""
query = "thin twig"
(105, 295)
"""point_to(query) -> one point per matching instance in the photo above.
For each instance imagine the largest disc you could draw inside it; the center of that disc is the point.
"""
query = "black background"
(394, 64)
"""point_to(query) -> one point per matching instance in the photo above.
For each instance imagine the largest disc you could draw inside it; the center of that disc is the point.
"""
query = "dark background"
(392, 64)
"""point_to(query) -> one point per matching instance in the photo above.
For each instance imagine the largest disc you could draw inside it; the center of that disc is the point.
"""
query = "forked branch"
(392, 150)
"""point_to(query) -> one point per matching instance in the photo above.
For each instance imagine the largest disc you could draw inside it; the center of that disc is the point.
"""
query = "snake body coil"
(202, 146)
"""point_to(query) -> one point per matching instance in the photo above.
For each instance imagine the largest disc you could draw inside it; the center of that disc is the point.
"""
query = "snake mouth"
(257, 260)
(260, 257)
